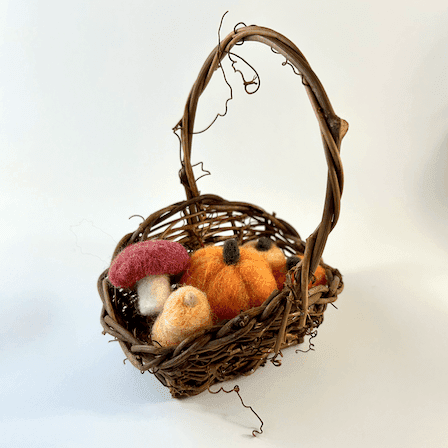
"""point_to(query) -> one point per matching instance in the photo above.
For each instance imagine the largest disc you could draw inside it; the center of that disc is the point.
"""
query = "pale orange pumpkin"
(280, 264)
(233, 278)
(273, 255)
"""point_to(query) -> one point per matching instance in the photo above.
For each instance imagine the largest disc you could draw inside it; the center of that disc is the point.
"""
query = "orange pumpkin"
(233, 278)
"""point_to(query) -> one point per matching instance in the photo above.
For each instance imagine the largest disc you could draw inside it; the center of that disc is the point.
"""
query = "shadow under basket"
(240, 345)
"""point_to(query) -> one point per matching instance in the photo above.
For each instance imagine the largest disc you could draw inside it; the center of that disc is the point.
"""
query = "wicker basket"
(238, 346)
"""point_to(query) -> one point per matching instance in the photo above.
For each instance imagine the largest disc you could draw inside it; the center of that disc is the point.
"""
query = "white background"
(90, 90)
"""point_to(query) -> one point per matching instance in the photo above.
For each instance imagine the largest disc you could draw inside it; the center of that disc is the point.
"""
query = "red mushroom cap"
(152, 257)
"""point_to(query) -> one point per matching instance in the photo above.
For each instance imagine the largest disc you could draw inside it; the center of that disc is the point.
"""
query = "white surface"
(89, 93)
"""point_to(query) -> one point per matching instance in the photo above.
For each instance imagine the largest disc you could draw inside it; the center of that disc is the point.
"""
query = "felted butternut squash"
(233, 278)
(185, 312)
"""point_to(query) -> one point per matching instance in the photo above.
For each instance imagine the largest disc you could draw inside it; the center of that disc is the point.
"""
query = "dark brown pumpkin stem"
(263, 244)
(231, 252)
(291, 262)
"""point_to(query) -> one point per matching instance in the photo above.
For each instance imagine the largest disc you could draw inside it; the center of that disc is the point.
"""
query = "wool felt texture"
(280, 264)
(185, 312)
(152, 257)
(280, 274)
(244, 282)
(152, 292)
(273, 255)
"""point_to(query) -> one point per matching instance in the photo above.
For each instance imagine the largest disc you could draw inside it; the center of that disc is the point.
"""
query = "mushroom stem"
(152, 290)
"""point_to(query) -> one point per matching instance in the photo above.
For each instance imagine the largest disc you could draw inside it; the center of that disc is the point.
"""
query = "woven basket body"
(238, 346)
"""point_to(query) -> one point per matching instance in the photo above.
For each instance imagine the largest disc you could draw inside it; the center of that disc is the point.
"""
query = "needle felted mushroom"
(146, 266)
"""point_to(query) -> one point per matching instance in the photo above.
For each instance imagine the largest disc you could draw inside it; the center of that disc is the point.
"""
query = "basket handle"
(332, 129)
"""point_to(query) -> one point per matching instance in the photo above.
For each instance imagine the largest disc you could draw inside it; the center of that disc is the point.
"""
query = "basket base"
(186, 392)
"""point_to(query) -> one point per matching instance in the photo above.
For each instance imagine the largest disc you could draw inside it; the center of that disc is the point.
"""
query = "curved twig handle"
(332, 129)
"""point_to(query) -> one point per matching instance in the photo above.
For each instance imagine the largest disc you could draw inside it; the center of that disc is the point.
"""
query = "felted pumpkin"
(280, 264)
(319, 274)
(273, 255)
(234, 278)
